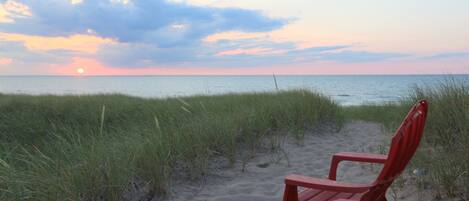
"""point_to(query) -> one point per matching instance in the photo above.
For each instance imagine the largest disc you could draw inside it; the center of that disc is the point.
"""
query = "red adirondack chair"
(403, 146)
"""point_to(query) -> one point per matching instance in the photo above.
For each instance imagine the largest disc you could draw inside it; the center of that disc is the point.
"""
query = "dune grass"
(93, 147)
(442, 160)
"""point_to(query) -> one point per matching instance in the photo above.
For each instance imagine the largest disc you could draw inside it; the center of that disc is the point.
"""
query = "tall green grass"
(446, 152)
(443, 156)
(95, 147)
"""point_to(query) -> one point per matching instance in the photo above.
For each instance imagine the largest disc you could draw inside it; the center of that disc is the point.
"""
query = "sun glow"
(80, 70)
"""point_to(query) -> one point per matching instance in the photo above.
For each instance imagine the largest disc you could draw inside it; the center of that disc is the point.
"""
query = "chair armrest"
(325, 184)
(352, 156)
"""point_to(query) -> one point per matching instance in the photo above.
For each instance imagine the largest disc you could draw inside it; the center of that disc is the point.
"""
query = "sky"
(228, 37)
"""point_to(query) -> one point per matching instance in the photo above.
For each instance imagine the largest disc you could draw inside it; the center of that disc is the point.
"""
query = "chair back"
(403, 147)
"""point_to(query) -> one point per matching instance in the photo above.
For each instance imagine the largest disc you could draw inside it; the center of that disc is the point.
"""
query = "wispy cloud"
(361, 56)
(11, 10)
(448, 55)
(79, 43)
(5, 61)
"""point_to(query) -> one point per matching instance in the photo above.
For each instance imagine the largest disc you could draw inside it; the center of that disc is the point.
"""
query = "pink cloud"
(233, 35)
(5, 61)
(93, 67)
(11, 9)
(251, 51)
(78, 42)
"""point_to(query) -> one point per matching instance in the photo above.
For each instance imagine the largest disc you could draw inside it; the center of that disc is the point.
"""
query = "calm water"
(347, 90)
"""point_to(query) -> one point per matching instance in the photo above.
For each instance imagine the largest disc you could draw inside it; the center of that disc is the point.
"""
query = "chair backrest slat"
(403, 147)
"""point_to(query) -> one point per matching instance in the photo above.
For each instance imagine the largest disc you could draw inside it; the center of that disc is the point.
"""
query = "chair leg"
(291, 193)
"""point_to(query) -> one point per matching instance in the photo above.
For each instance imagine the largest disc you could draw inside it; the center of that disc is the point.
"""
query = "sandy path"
(260, 183)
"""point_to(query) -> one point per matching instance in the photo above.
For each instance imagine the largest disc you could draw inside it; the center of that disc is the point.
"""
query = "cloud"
(235, 53)
(156, 22)
(4, 18)
(136, 33)
(5, 61)
(21, 55)
(79, 42)
(234, 35)
(150, 34)
(122, 32)
(361, 56)
(287, 53)
(9, 10)
(76, 1)
(136, 55)
(244, 52)
(250, 51)
(448, 55)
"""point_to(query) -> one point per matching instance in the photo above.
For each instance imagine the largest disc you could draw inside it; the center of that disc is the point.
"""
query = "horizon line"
(183, 75)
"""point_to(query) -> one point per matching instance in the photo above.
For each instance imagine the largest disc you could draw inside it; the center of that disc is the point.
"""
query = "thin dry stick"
(102, 120)
(275, 81)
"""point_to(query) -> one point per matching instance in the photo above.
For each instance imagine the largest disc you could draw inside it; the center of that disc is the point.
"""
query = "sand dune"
(262, 178)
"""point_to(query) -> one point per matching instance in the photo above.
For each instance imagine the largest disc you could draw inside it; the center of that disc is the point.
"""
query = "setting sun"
(80, 70)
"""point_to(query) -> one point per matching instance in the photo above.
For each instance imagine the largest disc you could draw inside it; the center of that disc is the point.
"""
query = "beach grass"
(442, 161)
(97, 147)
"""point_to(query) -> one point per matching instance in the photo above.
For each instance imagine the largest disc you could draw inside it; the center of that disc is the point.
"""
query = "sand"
(262, 178)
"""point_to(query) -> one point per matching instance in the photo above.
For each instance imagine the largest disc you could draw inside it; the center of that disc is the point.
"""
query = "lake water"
(346, 89)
